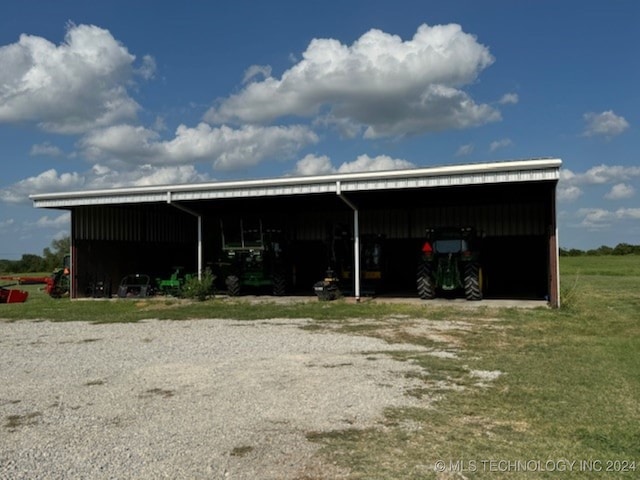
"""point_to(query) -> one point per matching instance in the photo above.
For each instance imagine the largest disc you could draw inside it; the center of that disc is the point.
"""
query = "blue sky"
(107, 94)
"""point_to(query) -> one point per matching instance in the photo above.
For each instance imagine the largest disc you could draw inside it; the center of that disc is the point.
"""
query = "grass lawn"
(560, 396)
(567, 404)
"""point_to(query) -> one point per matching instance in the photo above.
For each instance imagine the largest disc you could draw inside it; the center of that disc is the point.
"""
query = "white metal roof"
(534, 170)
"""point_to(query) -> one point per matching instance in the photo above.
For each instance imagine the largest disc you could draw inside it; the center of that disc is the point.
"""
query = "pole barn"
(511, 204)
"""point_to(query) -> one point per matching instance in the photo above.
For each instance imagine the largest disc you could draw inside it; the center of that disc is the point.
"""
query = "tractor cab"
(252, 258)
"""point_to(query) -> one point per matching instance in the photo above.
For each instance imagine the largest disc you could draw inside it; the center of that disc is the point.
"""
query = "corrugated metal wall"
(317, 225)
(152, 223)
(506, 219)
(155, 223)
(401, 223)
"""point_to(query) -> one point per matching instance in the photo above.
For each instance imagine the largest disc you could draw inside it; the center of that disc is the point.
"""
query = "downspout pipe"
(199, 217)
(356, 240)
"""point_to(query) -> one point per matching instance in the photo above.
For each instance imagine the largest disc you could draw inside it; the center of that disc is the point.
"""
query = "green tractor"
(450, 262)
(58, 284)
(253, 260)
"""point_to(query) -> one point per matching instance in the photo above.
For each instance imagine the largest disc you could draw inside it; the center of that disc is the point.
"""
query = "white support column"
(73, 252)
(356, 252)
(199, 247)
(199, 217)
(356, 241)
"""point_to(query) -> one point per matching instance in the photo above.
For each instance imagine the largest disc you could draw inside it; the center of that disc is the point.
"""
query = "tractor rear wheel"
(279, 285)
(472, 286)
(424, 281)
(233, 285)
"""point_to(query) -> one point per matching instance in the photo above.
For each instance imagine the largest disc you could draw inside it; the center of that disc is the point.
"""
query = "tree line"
(620, 249)
(52, 258)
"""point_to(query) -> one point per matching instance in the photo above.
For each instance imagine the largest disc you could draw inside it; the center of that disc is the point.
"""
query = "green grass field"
(565, 405)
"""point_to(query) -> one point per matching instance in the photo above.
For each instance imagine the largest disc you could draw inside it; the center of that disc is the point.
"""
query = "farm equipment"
(254, 259)
(58, 283)
(450, 262)
(328, 288)
(173, 285)
(338, 270)
(371, 263)
(12, 295)
(339, 276)
(135, 285)
(99, 287)
(25, 280)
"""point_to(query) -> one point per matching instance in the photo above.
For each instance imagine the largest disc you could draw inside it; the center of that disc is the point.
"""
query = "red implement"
(25, 280)
(12, 295)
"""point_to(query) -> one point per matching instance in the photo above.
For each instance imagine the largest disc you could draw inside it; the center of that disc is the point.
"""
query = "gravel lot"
(202, 399)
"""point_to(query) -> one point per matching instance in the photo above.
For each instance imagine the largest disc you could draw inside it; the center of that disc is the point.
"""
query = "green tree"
(624, 249)
(30, 263)
(601, 250)
(54, 256)
(573, 252)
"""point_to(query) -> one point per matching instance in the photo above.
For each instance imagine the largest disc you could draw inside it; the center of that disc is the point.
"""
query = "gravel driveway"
(201, 399)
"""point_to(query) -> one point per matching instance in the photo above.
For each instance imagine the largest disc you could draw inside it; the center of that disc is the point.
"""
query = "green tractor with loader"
(252, 259)
(449, 263)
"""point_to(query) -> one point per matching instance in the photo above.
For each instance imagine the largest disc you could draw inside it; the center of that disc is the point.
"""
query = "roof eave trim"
(474, 168)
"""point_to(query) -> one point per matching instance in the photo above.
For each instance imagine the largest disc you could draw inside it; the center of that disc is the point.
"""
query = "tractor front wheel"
(472, 281)
(424, 281)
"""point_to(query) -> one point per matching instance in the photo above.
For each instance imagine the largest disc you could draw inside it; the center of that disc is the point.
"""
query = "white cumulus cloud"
(620, 191)
(606, 124)
(48, 181)
(628, 213)
(104, 177)
(498, 144)
(45, 149)
(321, 165)
(72, 87)
(58, 221)
(99, 177)
(600, 175)
(256, 70)
(568, 193)
(509, 99)
(464, 150)
(599, 218)
(380, 84)
(572, 184)
(314, 165)
(365, 163)
(225, 148)
(595, 218)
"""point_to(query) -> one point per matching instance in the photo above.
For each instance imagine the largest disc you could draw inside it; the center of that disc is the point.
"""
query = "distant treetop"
(620, 249)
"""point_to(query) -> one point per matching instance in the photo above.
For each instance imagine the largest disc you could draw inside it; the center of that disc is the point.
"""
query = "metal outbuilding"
(512, 203)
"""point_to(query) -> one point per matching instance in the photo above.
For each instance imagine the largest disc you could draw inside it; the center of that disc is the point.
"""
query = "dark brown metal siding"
(493, 220)
(133, 224)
